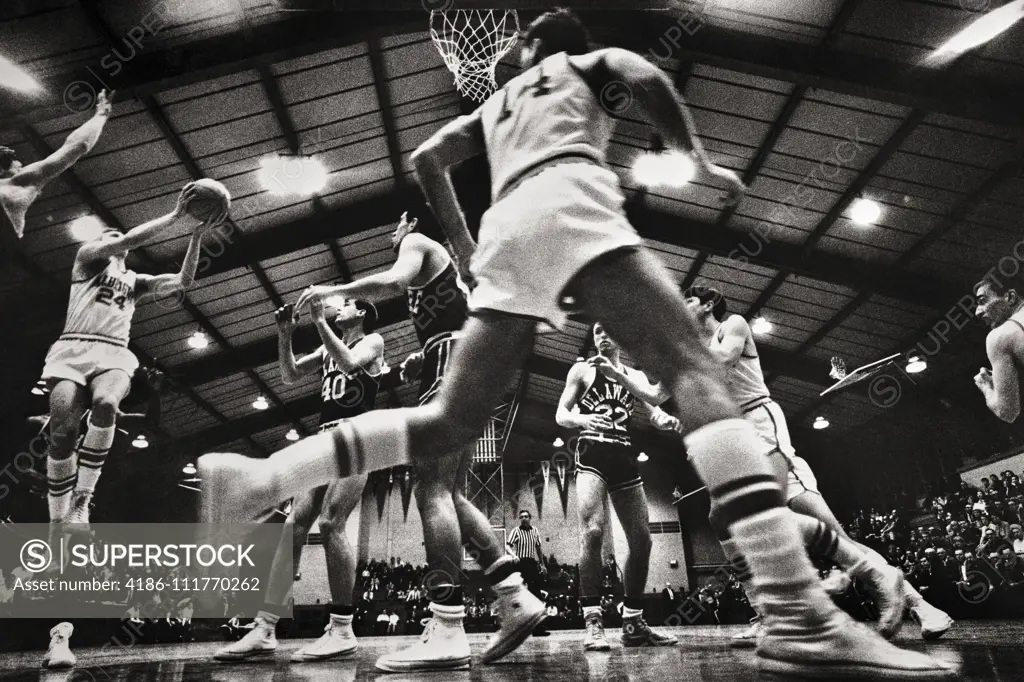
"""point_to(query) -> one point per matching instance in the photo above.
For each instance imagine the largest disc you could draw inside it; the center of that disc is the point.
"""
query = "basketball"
(210, 197)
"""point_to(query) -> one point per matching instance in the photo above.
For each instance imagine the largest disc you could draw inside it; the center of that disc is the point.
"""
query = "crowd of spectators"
(969, 550)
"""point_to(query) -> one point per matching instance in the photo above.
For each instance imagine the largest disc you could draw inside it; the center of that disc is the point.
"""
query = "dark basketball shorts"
(437, 356)
(613, 463)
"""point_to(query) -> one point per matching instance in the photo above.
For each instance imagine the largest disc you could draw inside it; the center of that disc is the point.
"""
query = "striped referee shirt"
(525, 543)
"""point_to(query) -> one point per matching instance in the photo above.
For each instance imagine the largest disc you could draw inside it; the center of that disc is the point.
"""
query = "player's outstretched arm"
(291, 369)
(461, 139)
(139, 236)
(172, 283)
(79, 143)
(1001, 386)
(656, 96)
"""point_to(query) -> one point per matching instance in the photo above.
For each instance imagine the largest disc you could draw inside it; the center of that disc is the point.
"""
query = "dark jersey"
(438, 306)
(345, 394)
(614, 401)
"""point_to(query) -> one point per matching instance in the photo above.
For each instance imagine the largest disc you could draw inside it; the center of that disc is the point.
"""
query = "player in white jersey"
(90, 365)
(1000, 305)
(732, 343)
(20, 185)
(557, 229)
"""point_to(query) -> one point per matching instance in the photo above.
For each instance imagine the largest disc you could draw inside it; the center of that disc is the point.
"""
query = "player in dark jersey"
(599, 399)
(351, 369)
(425, 272)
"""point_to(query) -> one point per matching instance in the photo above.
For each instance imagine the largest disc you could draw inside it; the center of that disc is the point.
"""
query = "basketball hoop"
(471, 43)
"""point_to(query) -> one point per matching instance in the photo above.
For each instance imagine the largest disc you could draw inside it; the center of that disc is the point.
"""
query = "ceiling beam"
(299, 34)
(387, 113)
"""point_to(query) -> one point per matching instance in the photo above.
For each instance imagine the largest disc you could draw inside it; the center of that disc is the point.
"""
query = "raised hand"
(596, 422)
(286, 318)
(734, 187)
(104, 102)
(311, 293)
(185, 196)
(412, 366)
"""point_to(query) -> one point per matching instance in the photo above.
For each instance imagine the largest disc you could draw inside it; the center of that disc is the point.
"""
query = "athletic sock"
(370, 442)
(913, 597)
(92, 453)
(268, 617)
(631, 613)
(61, 475)
(782, 574)
(589, 611)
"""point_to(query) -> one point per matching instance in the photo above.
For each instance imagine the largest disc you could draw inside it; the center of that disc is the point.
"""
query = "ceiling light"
(978, 32)
(915, 365)
(189, 470)
(86, 228)
(292, 175)
(36, 390)
(14, 77)
(820, 423)
(260, 403)
(558, 443)
(642, 457)
(292, 435)
(198, 341)
(667, 169)
(761, 326)
(865, 211)
(140, 441)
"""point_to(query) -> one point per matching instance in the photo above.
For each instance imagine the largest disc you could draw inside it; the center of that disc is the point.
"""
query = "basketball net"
(471, 43)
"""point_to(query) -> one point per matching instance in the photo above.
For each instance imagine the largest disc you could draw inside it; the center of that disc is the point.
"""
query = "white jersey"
(101, 306)
(546, 112)
(745, 378)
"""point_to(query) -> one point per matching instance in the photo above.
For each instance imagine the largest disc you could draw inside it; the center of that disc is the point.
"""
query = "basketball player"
(557, 229)
(732, 343)
(351, 369)
(90, 366)
(21, 185)
(424, 271)
(598, 399)
(1001, 307)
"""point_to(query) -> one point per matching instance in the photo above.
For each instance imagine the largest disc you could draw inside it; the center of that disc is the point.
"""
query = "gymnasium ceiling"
(814, 102)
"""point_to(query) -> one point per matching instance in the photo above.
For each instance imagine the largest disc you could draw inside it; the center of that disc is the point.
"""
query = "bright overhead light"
(198, 341)
(642, 457)
(292, 175)
(978, 32)
(820, 423)
(86, 228)
(140, 441)
(915, 365)
(292, 435)
(38, 391)
(865, 211)
(761, 325)
(558, 443)
(665, 169)
(189, 470)
(16, 78)
(260, 403)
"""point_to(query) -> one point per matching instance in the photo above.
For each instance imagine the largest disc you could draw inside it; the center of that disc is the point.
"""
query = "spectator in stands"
(383, 621)
(392, 622)
(669, 597)
(992, 543)
(1016, 538)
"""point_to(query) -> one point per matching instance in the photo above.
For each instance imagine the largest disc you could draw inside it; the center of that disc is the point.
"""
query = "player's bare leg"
(108, 390)
(805, 634)
(631, 508)
(590, 495)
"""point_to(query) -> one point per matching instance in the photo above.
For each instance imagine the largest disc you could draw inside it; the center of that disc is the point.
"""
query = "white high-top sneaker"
(934, 622)
(444, 645)
(595, 639)
(337, 640)
(885, 584)
(818, 640)
(59, 655)
(259, 642)
(518, 612)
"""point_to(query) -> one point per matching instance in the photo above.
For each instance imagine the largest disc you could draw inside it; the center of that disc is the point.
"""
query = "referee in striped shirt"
(524, 543)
